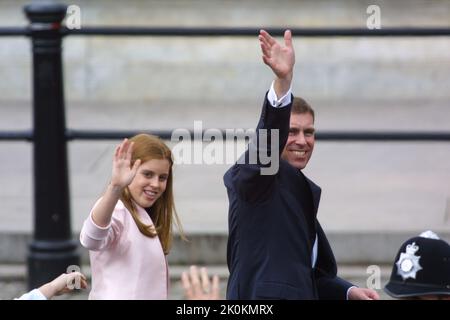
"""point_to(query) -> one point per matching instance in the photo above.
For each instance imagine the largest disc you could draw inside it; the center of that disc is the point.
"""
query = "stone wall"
(159, 70)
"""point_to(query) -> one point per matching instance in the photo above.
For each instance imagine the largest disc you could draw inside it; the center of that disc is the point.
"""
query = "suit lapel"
(316, 192)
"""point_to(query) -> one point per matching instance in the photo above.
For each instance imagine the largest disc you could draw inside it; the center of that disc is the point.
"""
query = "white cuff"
(34, 294)
(348, 291)
(278, 103)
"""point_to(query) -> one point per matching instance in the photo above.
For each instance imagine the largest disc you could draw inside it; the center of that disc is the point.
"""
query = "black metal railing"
(235, 32)
(252, 32)
(74, 134)
(52, 248)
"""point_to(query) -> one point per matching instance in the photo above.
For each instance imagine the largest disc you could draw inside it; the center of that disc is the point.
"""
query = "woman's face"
(150, 182)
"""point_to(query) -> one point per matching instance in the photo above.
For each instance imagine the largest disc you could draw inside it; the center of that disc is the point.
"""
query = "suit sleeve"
(248, 177)
(329, 285)
(96, 238)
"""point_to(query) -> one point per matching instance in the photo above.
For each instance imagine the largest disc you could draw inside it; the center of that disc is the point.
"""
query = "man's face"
(300, 142)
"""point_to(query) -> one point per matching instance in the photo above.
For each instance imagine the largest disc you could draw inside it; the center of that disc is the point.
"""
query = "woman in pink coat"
(129, 229)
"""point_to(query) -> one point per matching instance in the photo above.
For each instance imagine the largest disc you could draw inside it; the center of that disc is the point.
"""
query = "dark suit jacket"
(269, 252)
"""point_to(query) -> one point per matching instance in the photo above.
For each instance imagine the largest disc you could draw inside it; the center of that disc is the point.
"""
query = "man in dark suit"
(276, 247)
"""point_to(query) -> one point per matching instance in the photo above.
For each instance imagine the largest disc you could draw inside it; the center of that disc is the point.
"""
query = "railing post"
(52, 249)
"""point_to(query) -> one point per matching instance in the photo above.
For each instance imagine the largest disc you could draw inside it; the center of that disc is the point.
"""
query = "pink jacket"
(125, 264)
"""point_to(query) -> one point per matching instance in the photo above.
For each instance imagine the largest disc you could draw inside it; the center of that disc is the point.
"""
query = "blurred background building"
(375, 194)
